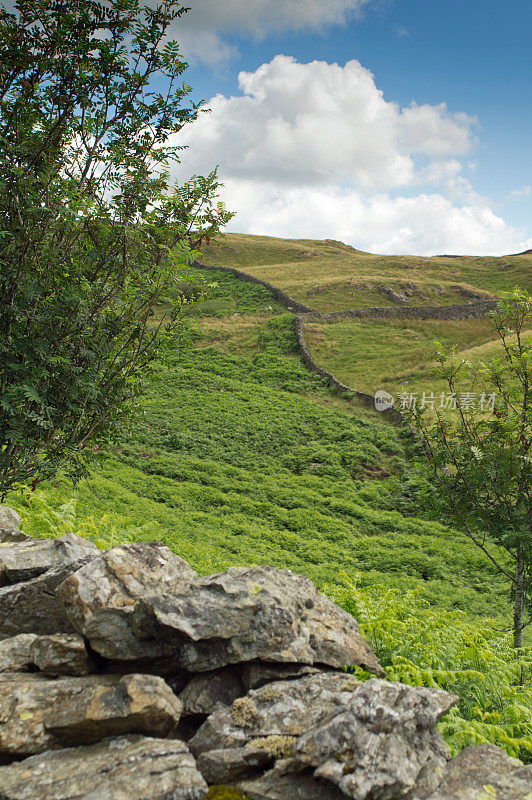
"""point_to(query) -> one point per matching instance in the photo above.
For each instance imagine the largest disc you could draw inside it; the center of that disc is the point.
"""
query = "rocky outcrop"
(99, 598)
(245, 614)
(33, 607)
(254, 694)
(21, 561)
(369, 740)
(39, 713)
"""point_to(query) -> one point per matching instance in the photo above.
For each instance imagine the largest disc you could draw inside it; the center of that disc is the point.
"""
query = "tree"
(480, 454)
(92, 235)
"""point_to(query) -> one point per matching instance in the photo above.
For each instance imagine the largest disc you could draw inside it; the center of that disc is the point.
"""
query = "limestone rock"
(15, 653)
(371, 740)
(278, 785)
(58, 654)
(209, 689)
(9, 519)
(254, 613)
(99, 598)
(38, 713)
(283, 708)
(22, 561)
(482, 773)
(32, 606)
(13, 535)
(123, 768)
(395, 297)
(256, 673)
(383, 744)
(222, 766)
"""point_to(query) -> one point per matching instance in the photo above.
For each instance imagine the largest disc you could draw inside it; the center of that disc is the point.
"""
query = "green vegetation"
(92, 235)
(302, 266)
(481, 463)
(242, 456)
(371, 354)
(424, 646)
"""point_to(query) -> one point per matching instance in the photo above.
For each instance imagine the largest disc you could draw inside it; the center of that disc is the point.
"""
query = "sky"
(396, 126)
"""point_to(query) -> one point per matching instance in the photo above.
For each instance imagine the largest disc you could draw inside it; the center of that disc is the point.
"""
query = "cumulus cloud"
(201, 32)
(316, 151)
(320, 123)
(426, 224)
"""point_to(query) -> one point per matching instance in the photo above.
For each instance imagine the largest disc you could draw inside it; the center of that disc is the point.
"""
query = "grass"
(300, 266)
(376, 354)
(242, 456)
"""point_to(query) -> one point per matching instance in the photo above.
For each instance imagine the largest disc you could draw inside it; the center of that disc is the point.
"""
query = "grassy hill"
(373, 354)
(332, 276)
(242, 456)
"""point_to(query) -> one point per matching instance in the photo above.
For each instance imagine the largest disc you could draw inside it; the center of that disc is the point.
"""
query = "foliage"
(480, 457)
(422, 645)
(239, 447)
(90, 238)
(228, 295)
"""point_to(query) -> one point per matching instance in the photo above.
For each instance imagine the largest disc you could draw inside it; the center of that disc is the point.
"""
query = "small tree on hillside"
(91, 235)
(480, 454)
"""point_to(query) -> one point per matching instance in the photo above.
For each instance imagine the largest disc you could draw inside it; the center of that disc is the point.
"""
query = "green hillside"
(243, 456)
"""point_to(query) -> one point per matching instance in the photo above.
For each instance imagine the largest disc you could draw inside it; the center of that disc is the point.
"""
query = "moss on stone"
(276, 746)
(244, 712)
(224, 793)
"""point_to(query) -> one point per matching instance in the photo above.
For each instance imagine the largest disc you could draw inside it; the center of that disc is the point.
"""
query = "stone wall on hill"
(124, 675)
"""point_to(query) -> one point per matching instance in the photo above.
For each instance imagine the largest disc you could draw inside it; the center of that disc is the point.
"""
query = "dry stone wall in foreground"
(126, 676)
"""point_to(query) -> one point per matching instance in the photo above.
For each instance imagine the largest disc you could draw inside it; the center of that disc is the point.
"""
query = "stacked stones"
(125, 676)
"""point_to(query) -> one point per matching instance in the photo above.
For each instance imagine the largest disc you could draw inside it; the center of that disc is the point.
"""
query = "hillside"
(242, 456)
(370, 354)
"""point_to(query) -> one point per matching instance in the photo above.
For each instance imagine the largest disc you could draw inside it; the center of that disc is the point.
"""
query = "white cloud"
(518, 194)
(425, 224)
(201, 31)
(320, 123)
(316, 151)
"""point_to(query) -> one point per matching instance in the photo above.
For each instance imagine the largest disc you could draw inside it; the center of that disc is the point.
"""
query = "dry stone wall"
(472, 310)
(152, 683)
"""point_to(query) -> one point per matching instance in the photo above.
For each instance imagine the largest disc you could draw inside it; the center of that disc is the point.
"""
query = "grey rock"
(122, 768)
(15, 653)
(375, 740)
(384, 743)
(209, 689)
(245, 614)
(32, 606)
(39, 713)
(99, 598)
(256, 674)
(484, 773)
(222, 766)
(22, 561)
(58, 654)
(395, 297)
(13, 535)
(283, 708)
(9, 519)
(278, 785)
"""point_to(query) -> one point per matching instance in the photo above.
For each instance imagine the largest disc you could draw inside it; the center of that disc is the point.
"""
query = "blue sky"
(395, 125)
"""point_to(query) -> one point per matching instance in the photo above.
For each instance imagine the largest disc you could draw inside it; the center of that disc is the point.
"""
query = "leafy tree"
(480, 454)
(92, 235)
